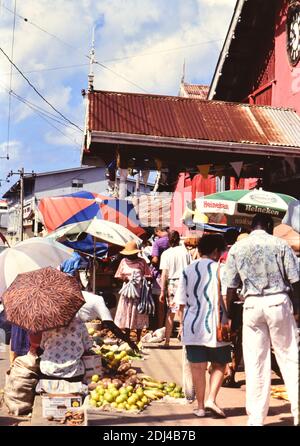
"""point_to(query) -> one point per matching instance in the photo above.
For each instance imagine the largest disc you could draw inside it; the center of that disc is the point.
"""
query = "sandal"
(210, 405)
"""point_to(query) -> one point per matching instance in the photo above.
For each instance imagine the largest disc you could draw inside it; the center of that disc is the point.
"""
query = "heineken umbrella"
(245, 202)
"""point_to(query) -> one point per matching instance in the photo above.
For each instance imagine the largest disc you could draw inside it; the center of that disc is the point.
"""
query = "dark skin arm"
(120, 334)
(155, 260)
(230, 298)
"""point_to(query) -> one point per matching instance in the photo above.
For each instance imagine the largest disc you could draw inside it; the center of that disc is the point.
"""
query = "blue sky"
(144, 41)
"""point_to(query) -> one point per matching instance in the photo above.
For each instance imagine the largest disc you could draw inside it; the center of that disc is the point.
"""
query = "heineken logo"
(256, 209)
(263, 199)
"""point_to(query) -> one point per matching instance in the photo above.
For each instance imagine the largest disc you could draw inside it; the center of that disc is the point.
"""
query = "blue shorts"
(201, 353)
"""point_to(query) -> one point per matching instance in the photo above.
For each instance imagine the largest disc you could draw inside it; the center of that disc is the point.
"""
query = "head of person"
(231, 236)
(212, 246)
(161, 231)
(130, 250)
(191, 242)
(264, 222)
(174, 239)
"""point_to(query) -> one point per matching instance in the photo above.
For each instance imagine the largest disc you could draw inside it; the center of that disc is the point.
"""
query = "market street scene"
(149, 213)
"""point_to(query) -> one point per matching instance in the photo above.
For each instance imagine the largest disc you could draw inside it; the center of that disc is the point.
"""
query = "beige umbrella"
(30, 255)
(103, 230)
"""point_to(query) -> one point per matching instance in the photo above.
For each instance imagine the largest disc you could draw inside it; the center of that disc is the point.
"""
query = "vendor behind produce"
(95, 308)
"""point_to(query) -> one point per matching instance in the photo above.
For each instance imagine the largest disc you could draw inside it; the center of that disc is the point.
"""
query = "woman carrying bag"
(132, 271)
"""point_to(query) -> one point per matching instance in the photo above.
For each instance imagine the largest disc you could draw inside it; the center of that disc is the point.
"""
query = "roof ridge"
(182, 98)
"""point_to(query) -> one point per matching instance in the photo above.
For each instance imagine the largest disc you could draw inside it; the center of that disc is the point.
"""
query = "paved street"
(165, 365)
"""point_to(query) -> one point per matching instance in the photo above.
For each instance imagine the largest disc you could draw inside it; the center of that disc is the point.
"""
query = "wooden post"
(94, 267)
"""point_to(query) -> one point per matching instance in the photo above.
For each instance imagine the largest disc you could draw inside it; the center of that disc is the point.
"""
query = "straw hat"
(242, 235)
(130, 249)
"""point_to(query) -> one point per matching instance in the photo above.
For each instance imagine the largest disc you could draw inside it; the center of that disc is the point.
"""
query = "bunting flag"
(204, 169)
(145, 176)
(237, 167)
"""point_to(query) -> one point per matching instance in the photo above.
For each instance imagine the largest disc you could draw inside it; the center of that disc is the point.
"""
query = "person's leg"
(199, 381)
(256, 351)
(169, 326)
(197, 357)
(215, 381)
(138, 334)
(283, 332)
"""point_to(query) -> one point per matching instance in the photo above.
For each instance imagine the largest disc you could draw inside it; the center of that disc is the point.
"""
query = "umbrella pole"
(94, 267)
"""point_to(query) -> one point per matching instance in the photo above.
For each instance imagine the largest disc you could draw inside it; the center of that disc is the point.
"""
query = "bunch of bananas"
(279, 392)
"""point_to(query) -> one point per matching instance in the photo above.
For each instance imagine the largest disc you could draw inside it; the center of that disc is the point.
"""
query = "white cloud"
(14, 150)
(125, 28)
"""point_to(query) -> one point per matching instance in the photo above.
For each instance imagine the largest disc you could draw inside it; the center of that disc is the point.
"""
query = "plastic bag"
(187, 379)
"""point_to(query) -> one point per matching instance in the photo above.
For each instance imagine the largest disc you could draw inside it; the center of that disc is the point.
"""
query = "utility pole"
(21, 203)
(21, 172)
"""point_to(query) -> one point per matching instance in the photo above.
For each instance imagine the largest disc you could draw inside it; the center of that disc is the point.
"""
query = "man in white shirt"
(268, 271)
(172, 263)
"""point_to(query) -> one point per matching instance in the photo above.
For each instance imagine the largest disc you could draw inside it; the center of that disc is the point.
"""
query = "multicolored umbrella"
(245, 202)
(84, 206)
(43, 299)
(30, 255)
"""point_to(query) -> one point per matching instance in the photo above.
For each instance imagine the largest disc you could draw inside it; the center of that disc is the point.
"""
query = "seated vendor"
(63, 348)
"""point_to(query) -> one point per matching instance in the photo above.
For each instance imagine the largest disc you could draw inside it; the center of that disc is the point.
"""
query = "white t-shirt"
(94, 308)
(198, 292)
(174, 260)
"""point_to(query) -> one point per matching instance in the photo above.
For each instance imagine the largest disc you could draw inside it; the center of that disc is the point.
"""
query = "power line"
(52, 69)
(37, 107)
(120, 59)
(119, 75)
(10, 81)
(39, 94)
(44, 115)
(47, 119)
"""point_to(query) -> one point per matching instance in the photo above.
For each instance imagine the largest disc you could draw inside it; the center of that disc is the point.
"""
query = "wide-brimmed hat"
(130, 249)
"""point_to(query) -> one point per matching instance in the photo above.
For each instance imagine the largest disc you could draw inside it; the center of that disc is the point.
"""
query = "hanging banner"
(204, 169)
(237, 167)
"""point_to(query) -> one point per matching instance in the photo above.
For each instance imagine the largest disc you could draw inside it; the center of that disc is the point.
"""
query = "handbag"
(146, 304)
(223, 330)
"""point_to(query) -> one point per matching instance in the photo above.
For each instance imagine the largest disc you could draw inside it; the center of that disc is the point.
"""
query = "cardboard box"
(93, 366)
(56, 405)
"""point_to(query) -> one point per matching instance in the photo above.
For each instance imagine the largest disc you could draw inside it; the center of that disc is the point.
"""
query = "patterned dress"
(63, 349)
(127, 315)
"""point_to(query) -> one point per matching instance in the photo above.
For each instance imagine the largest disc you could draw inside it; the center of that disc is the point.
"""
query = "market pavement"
(164, 364)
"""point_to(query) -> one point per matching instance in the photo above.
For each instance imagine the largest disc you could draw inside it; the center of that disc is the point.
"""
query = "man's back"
(264, 263)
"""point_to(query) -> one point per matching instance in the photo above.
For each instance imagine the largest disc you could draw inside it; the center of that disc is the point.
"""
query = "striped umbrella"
(43, 299)
(65, 210)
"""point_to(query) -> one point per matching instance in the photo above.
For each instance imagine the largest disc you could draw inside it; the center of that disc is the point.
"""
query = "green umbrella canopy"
(237, 202)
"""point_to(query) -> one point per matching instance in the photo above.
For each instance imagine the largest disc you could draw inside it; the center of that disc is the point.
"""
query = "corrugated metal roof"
(193, 119)
(194, 91)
